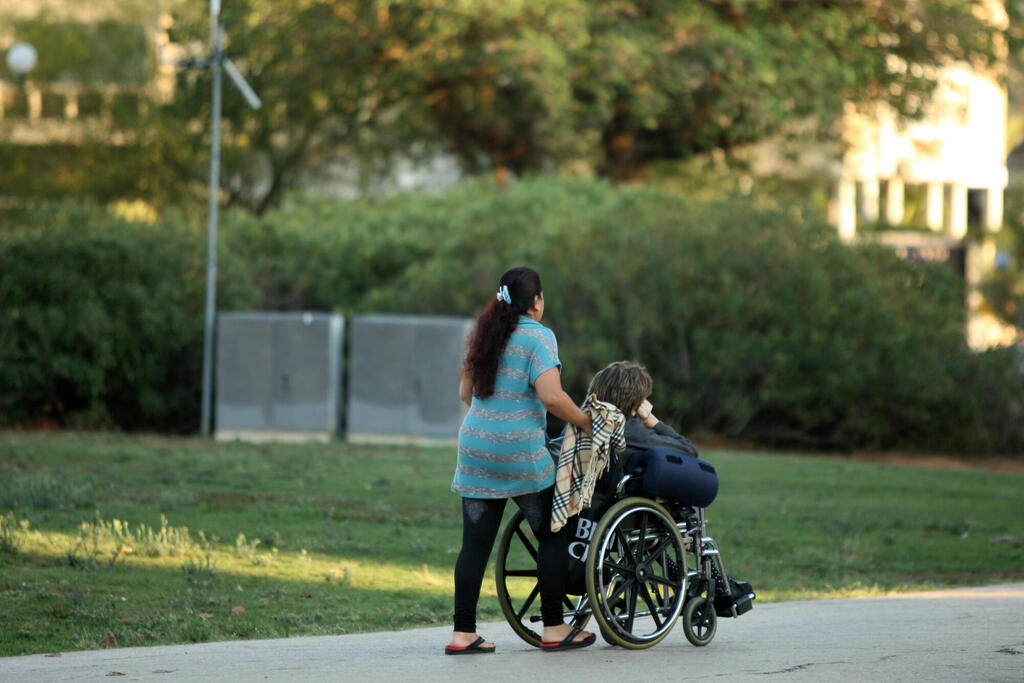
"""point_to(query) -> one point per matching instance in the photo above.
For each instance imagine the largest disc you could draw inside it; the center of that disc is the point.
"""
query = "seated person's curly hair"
(625, 384)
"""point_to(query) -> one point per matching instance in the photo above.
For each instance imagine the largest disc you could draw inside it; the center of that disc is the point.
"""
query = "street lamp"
(21, 59)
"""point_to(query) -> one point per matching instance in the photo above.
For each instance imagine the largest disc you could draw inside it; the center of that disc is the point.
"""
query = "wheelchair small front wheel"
(699, 621)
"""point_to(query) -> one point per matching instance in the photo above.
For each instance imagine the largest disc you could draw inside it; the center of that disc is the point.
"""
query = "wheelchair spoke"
(623, 546)
(665, 581)
(641, 538)
(631, 608)
(614, 566)
(646, 595)
(526, 543)
(527, 573)
(658, 550)
(624, 584)
(529, 601)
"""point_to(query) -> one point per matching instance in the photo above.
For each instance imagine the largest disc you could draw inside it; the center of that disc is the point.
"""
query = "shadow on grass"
(49, 606)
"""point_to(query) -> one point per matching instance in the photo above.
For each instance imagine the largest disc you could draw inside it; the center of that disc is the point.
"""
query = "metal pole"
(211, 247)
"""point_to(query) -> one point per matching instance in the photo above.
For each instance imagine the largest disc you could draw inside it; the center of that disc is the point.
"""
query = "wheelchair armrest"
(622, 484)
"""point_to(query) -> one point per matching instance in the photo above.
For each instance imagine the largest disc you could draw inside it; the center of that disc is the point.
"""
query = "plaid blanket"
(584, 459)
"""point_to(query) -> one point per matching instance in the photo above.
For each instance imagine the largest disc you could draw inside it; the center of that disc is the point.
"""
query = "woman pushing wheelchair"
(510, 381)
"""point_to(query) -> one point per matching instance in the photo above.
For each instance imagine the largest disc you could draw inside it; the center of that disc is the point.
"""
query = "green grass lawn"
(167, 540)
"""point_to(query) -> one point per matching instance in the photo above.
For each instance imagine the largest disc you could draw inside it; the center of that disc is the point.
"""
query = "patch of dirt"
(942, 462)
(233, 499)
(907, 458)
(963, 579)
(39, 424)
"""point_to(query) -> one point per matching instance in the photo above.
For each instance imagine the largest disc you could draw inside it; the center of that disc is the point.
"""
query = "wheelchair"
(640, 559)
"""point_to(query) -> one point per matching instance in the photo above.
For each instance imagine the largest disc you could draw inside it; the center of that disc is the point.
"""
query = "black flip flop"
(471, 649)
(568, 643)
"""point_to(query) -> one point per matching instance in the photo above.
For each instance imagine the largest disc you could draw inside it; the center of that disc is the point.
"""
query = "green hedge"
(323, 255)
(102, 319)
(756, 322)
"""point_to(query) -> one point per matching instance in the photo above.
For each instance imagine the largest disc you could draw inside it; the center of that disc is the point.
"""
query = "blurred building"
(953, 161)
(957, 156)
(95, 66)
(79, 108)
(958, 148)
(955, 152)
(102, 65)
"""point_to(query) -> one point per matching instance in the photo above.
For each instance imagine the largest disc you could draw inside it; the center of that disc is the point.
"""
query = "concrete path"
(974, 634)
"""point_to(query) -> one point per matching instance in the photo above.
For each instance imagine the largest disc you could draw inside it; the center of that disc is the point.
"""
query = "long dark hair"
(495, 325)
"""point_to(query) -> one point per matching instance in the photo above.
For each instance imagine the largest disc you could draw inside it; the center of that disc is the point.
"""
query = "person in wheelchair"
(628, 386)
(641, 557)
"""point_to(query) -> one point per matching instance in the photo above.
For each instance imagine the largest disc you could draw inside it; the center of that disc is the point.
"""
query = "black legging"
(481, 518)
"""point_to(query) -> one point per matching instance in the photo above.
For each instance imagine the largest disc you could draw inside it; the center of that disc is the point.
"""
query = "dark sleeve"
(639, 437)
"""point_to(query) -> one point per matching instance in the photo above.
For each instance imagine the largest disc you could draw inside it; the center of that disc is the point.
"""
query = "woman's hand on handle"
(558, 403)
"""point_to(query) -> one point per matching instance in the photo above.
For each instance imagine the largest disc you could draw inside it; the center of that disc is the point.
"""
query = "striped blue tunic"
(501, 441)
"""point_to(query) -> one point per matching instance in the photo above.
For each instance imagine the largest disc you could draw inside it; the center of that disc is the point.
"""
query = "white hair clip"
(503, 294)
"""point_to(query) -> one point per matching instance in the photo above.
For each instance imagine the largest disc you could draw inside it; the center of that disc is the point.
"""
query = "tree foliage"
(591, 86)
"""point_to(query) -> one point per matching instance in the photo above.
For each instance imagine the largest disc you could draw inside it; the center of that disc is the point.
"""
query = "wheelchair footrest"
(739, 599)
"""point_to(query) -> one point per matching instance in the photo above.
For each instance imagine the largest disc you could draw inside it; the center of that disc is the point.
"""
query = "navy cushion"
(674, 475)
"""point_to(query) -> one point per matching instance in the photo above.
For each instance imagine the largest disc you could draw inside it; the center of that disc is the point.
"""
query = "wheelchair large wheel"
(518, 590)
(636, 573)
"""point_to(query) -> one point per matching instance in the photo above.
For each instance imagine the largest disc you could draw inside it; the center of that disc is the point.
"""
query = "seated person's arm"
(647, 431)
